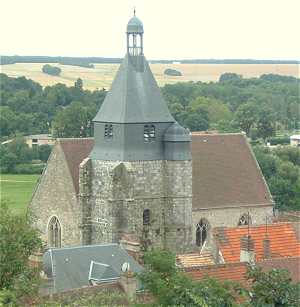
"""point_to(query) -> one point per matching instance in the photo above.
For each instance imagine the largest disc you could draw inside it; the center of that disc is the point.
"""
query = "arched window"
(149, 133)
(146, 217)
(54, 232)
(201, 232)
(245, 219)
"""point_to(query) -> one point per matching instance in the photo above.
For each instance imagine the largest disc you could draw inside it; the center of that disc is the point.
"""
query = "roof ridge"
(216, 266)
(279, 258)
(277, 224)
(204, 133)
(74, 139)
(82, 246)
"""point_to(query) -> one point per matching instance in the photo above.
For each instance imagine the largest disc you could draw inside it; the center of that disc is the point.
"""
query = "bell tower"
(140, 168)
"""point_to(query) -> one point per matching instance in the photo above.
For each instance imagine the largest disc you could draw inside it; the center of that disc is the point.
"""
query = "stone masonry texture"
(55, 196)
(121, 191)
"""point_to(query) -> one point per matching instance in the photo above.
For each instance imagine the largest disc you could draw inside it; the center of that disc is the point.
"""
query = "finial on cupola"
(134, 11)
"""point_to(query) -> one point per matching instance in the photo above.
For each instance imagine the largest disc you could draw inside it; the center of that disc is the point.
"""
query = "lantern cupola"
(135, 31)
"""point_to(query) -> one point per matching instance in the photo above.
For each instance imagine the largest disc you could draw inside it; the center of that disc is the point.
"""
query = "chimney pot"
(267, 248)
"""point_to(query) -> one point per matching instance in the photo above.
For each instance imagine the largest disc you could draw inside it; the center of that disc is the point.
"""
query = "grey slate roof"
(135, 26)
(134, 97)
(72, 267)
(102, 272)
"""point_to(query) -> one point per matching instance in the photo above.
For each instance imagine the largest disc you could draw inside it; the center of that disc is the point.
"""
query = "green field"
(16, 191)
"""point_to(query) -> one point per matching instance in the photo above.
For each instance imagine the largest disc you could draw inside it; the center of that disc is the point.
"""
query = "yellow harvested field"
(102, 75)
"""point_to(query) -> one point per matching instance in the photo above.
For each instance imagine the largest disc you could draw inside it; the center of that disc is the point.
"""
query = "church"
(144, 180)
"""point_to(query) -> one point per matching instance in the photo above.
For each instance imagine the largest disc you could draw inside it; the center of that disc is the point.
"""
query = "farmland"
(16, 191)
(102, 75)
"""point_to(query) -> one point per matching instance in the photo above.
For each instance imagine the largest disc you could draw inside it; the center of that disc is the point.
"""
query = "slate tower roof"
(133, 118)
(134, 97)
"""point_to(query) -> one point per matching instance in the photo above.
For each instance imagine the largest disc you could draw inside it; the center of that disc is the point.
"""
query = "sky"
(174, 29)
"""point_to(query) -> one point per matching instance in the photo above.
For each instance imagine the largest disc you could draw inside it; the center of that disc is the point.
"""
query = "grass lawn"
(17, 190)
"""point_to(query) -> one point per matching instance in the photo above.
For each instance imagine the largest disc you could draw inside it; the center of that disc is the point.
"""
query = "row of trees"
(281, 169)
(172, 287)
(58, 59)
(27, 108)
(258, 106)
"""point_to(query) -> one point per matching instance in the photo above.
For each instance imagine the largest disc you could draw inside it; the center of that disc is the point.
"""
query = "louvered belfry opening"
(146, 217)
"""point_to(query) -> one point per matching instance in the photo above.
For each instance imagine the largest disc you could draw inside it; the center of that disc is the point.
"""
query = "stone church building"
(143, 179)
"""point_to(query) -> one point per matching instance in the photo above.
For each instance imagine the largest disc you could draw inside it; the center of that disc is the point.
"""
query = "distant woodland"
(83, 61)
(261, 107)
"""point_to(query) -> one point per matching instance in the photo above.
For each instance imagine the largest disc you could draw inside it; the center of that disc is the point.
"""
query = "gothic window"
(245, 219)
(201, 232)
(149, 133)
(108, 131)
(146, 217)
(54, 232)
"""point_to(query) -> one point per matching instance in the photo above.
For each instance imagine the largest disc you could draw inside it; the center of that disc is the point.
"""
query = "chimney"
(128, 282)
(267, 247)
(247, 249)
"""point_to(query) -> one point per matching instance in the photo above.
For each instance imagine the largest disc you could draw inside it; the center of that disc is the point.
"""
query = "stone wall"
(229, 217)
(121, 191)
(55, 196)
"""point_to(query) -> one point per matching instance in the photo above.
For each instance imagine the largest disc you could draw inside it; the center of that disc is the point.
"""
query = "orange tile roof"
(282, 236)
(230, 271)
(195, 259)
(237, 271)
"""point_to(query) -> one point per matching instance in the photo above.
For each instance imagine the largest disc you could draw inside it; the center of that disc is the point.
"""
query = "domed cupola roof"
(176, 133)
(135, 26)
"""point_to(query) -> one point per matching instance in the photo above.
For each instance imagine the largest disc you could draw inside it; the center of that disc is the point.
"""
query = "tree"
(172, 72)
(265, 122)
(51, 70)
(216, 109)
(44, 152)
(196, 121)
(74, 121)
(267, 162)
(20, 149)
(7, 121)
(78, 84)
(287, 170)
(173, 288)
(273, 288)
(285, 194)
(282, 175)
(246, 116)
(8, 160)
(229, 76)
(288, 153)
(17, 242)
